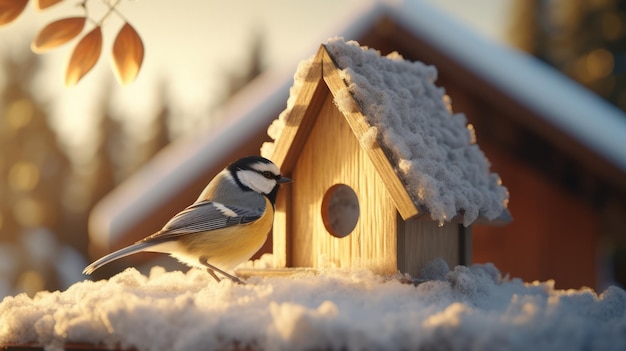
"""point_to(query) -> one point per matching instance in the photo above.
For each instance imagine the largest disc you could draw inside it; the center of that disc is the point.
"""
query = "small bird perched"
(226, 225)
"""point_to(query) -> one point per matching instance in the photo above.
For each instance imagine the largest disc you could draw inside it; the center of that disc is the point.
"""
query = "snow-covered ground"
(464, 308)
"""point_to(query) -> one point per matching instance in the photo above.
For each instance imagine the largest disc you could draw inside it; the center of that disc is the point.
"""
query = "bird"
(225, 226)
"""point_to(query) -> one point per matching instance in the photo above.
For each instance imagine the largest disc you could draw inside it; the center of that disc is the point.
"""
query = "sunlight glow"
(23, 176)
(19, 113)
(30, 282)
(29, 212)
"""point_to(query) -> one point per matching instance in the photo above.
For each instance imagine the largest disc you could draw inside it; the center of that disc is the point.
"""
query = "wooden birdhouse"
(385, 175)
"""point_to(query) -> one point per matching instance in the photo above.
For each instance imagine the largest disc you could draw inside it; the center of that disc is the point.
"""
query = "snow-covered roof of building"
(570, 107)
(431, 149)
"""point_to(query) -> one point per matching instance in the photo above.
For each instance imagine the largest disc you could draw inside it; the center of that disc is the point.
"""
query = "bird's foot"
(212, 269)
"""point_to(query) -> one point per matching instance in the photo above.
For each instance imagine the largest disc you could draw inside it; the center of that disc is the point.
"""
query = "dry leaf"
(10, 10)
(84, 57)
(127, 54)
(44, 4)
(57, 33)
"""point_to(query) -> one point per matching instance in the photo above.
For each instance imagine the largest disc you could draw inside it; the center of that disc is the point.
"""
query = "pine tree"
(34, 170)
(585, 40)
(236, 80)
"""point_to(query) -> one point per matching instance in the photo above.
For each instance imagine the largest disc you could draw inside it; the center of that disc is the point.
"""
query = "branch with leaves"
(127, 51)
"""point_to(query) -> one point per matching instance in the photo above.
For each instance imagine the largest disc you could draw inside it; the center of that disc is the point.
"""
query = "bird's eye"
(268, 174)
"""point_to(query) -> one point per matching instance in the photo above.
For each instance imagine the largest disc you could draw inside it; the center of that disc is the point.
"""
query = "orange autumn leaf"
(57, 33)
(84, 56)
(127, 54)
(10, 10)
(44, 4)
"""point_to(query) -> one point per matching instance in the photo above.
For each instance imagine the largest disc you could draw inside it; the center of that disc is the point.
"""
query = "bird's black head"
(256, 173)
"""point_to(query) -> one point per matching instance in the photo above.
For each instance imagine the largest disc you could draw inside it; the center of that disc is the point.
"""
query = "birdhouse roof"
(426, 154)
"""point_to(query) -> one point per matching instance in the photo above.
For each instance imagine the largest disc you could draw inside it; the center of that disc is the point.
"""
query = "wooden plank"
(286, 150)
(77, 346)
(281, 231)
(422, 240)
(360, 127)
(275, 272)
(332, 155)
(300, 118)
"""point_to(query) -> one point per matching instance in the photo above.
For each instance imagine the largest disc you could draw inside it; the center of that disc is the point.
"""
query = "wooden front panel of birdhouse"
(332, 162)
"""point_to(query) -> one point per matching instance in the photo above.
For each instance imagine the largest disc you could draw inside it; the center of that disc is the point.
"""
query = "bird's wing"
(205, 216)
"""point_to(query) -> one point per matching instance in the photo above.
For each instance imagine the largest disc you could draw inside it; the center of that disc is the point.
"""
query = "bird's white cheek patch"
(256, 182)
(225, 210)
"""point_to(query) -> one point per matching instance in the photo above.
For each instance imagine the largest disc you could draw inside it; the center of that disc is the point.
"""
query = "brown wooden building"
(560, 150)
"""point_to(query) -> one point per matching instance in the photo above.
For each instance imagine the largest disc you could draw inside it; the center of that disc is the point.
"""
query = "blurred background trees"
(584, 39)
(46, 196)
(34, 178)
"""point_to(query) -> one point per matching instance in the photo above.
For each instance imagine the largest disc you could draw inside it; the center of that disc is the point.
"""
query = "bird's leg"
(211, 269)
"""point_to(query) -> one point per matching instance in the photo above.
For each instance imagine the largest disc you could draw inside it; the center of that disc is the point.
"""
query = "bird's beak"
(284, 180)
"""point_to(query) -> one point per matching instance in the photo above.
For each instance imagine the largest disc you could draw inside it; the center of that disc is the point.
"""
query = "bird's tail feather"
(129, 250)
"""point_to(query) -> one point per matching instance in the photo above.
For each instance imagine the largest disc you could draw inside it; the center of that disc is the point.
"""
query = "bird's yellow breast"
(227, 247)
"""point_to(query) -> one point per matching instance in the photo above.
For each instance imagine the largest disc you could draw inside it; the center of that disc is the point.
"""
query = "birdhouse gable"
(427, 155)
(316, 80)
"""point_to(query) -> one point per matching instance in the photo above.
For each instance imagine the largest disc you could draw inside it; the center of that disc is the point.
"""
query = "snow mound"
(433, 149)
(466, 308)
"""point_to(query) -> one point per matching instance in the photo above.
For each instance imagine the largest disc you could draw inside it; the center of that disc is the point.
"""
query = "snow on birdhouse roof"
(432, 149)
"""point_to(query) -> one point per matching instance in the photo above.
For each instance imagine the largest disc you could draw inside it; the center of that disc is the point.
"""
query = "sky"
(190, 48)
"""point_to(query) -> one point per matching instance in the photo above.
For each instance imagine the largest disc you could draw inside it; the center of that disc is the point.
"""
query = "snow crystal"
(465, 308)
(433, 149)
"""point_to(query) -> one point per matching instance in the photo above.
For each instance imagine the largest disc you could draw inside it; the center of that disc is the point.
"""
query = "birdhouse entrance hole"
(340, 210)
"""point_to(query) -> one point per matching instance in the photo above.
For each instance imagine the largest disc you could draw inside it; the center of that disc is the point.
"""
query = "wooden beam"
(421, 240)
(300, 119)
